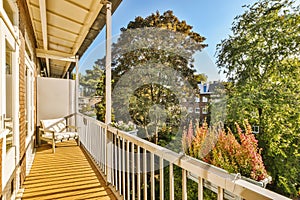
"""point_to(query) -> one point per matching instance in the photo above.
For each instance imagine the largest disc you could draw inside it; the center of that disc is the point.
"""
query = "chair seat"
(59, 136)
(72, 134)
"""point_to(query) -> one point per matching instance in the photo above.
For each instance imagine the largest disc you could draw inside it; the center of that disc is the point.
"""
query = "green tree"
(261, 61)
(201, 78)
(88, 81)
(100, 92)
(157, 40)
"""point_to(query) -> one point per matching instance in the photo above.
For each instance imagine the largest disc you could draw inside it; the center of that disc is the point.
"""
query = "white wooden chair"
(57, 130)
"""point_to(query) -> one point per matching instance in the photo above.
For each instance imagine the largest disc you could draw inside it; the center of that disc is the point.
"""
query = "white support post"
(109, 141)
(108, 65)
(76, 88)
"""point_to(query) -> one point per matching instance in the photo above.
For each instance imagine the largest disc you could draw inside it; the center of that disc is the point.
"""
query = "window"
(205, 110)
(197, 110)
(29, 99)
(29, 87)
(204, 99)
(8, 81)
(8, 123)
(190, 110)
(255, 129)
(197, 99)
(7, 71)
(204, 88)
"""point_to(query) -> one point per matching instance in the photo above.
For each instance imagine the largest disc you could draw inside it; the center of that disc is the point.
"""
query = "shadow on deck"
(67, 174)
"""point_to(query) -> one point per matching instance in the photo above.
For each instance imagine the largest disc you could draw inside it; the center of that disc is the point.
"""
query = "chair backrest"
(57, 125)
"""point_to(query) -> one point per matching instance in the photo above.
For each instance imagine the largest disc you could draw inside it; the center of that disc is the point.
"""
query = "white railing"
(134, 166)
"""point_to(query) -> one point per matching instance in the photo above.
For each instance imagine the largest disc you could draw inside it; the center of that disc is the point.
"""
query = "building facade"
(37, 38)
(18, 69)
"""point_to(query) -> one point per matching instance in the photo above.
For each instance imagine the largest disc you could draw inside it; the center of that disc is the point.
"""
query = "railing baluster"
(145, 172)
(133, 171)
(171, 179)
(161, 177)
(99, 145)
(184, 191)
(123, 163)
(128, 171)
(200, 188)
(152, 177)
(138, 170)
(105, 147)
(101, 148)
(109, 157)
(98, 152)
(111, 167)
(220, 193)
(116, 162)
(120, 166)
(89, 138)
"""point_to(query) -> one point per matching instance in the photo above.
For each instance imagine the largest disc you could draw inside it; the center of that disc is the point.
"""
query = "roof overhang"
(64, 29)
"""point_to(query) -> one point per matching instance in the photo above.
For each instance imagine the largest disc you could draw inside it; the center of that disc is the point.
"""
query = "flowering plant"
(236, 156)
(130, 126)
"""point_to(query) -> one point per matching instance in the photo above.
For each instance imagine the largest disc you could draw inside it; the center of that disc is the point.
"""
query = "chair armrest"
(46, 130)
(72, 127)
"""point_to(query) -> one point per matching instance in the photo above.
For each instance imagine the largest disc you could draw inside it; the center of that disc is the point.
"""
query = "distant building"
(207, 90)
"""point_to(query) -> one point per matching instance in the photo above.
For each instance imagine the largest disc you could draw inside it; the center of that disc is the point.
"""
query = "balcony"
(67, 174)
(111, 161)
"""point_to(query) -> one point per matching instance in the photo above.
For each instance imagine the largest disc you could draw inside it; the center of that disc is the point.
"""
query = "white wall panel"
(54, 97)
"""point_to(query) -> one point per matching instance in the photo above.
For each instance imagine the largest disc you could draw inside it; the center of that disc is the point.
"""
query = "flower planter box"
(133, 132)
(228, 195)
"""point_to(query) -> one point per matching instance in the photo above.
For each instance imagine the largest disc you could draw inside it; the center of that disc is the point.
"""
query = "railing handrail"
(213, 174)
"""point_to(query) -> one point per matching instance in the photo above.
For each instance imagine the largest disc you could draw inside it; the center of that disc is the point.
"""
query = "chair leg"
(53, 146)
(78, 142)
(39, 139)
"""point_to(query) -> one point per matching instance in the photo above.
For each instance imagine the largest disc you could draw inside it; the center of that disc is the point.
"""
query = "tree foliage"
(88, 81)
(261, 61)
(157, 40)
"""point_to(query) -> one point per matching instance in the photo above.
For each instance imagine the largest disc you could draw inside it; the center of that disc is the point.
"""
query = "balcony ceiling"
(65, 28)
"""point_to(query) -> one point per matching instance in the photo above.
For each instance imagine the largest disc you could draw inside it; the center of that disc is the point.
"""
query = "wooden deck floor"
(67, 174)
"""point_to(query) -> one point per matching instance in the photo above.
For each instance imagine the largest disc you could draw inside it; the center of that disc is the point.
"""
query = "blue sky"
(210, 18)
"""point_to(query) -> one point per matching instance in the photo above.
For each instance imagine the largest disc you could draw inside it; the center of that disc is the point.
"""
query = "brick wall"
(24, 26)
